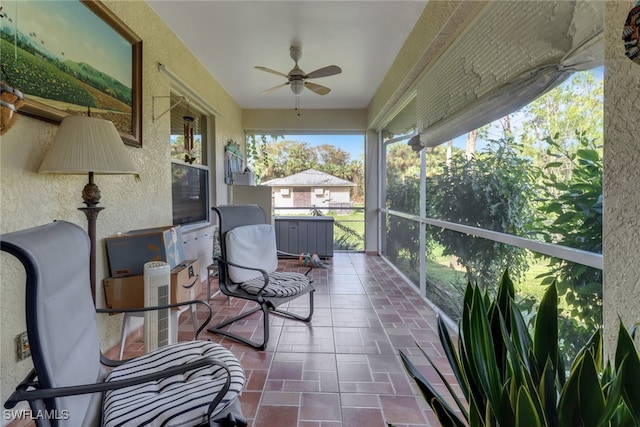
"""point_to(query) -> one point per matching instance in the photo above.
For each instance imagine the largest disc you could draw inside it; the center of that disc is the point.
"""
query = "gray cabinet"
(302, 234)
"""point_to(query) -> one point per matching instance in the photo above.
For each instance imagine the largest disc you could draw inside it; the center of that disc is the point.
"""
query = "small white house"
(311, 188)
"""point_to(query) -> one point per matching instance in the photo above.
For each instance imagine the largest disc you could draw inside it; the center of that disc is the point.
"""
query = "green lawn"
(343, 238)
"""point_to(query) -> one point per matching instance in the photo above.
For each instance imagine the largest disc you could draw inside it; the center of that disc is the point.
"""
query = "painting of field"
(63, 55)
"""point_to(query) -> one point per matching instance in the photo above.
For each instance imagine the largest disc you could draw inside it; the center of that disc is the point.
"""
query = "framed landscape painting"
(71, 57)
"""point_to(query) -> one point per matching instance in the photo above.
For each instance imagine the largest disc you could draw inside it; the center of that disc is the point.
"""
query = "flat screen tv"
(190, 193)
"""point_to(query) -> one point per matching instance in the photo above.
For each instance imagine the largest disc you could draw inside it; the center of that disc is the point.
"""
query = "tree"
(491, 190)
(271, 156)
(572, 216)
(332, 155)
(576, 104)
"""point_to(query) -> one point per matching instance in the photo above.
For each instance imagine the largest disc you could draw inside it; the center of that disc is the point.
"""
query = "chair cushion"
(180, 400)
(281, 284)
(251, 246)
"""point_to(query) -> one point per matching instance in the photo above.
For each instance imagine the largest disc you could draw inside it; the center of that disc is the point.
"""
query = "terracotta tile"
(402, 409)
(273, 398)
(256, 379)
(250, 401)
(320, 406)
(356, 400)
(286, 371)
(342, 369)
(277, 416)
(370, 417)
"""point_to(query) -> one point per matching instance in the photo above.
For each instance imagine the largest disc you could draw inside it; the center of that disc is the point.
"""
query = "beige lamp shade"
(87, 144)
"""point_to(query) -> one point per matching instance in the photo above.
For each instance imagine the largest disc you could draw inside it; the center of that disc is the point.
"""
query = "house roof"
(309, 178)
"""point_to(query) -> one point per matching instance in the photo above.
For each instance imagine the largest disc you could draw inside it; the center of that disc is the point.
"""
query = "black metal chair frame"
(230, 217)
(36, 387)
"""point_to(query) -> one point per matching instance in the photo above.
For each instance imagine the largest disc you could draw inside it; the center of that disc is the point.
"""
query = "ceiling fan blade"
(330, 70)
(319, 89)
(273, 89)
(269, 70)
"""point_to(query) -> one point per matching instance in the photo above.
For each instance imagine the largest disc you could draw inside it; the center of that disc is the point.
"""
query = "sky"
(351, 143)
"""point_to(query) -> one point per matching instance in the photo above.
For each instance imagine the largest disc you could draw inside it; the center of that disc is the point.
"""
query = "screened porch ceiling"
(460, 52)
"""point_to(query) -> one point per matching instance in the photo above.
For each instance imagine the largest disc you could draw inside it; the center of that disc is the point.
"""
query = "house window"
(284, 192)
(318, 192)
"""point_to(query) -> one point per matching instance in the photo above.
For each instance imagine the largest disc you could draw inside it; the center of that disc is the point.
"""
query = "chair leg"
(297, 316)
(266, 308)
(123, 334)
(217, 329)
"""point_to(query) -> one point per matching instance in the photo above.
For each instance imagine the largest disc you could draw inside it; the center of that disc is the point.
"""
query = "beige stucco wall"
(28, 198)
(621, 177)
(351, 120)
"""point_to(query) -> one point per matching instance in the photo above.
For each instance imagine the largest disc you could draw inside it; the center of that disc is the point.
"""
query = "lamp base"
(91, 197)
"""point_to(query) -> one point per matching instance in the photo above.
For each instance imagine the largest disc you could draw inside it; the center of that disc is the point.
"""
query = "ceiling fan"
(297, 79)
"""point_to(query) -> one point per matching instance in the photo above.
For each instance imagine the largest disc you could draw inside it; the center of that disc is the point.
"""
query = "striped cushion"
(281, 284)
(180, 400)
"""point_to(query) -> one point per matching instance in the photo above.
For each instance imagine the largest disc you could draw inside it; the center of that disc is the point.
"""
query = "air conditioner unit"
(157, 291)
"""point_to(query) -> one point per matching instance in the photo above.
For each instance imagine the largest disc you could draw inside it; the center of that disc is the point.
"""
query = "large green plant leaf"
(453, 358)
(479, 344)
(590, 397)
(453, 394)
(628, 367)
(613, 391)
(568, 408)
(548, 393)
(545, 341)
(526, 413)
(468, 352)
(520, 336)
(500, 309)
(437, 402)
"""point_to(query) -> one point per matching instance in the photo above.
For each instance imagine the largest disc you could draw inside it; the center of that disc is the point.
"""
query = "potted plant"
(510, 377)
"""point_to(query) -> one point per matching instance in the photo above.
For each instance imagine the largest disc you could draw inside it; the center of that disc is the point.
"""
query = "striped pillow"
(281, 284)
(180, 400)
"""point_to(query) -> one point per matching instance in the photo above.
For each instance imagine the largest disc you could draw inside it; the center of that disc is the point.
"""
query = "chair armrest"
(265, 275)
(113, 363)
(160, 307)
(23, 393)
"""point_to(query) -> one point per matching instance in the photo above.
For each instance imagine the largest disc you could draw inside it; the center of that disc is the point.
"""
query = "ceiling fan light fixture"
(297, 86)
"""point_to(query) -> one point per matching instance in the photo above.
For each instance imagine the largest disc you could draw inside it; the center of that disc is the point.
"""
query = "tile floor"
(342, 368)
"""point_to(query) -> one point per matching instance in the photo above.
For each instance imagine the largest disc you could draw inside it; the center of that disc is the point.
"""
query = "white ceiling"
(231, 37)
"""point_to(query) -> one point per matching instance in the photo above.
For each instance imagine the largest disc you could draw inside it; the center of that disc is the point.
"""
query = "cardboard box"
(124, 292)
(184, 280)
(128, 252)
(128, 292)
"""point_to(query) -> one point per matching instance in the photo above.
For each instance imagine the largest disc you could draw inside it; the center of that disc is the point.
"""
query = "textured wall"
(28, 199)
(308, 120)
(621, 177)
